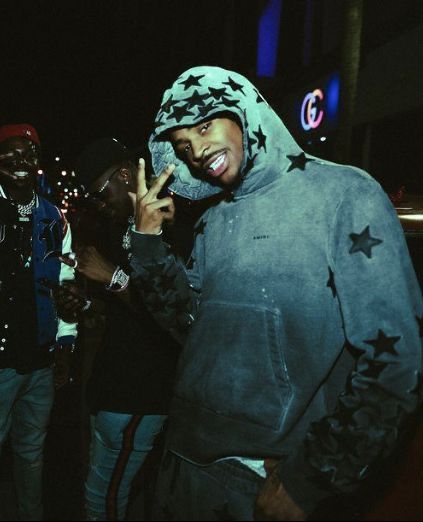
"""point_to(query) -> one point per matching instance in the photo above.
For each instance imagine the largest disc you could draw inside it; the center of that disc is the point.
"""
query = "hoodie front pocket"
(233, 364)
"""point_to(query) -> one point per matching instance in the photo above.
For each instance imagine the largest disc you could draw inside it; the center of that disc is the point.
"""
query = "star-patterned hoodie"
(299, 308)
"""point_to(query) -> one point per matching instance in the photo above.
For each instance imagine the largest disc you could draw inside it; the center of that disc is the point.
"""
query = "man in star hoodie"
(299, 311)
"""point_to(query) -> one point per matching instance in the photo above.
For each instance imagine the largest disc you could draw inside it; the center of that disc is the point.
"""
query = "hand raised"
(94, 266)
(150, 211)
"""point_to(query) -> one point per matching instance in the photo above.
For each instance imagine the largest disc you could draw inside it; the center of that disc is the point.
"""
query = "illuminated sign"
(311, 115)
(268, 39)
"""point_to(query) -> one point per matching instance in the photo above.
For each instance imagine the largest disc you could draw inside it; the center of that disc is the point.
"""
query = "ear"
(124, 175)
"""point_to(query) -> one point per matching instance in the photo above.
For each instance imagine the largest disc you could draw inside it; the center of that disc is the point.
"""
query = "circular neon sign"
(310, 116)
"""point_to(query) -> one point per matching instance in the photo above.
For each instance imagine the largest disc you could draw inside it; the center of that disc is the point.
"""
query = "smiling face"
(212, 148)
(19, 161)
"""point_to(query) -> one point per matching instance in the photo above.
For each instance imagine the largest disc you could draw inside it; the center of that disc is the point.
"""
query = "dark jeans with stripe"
(119, 445)
(224, 490)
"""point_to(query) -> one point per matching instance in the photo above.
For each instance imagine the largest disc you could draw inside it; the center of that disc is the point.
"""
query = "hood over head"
(202, 93)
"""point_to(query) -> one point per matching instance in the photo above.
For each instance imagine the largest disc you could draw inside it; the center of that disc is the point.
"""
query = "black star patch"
(420, 323)
(323, 432)
(196, 99)
(156, 306)
(251, 141)
(346, 413)
(228, 102)
(167, 105)
(180, 112)
(234, 86)
(261, 138)
(355, 351)
(298, 162)
(323, 480)
(363, 242)
(331, 282)
(249, 163)
(397, 419)
(180, 305)
(158, 124)
(190, 263)
(167, 282)
(223, 513)
(199, 229)
(156, 270)
(383, 344)
(374, 370)
(217, 93)
(260, 98)
(191, 81)
(244, 112)
(203, 111)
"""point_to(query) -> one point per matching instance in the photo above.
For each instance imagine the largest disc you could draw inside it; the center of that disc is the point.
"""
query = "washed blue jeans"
(119, 445)
(25, 406)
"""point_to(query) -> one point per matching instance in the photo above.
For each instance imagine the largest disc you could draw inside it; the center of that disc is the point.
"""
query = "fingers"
(69, 259)
(161, 204)
(161, 210)
(160, 182)
(141, 183)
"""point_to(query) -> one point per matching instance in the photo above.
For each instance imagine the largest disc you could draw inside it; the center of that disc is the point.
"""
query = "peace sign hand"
(150, 211)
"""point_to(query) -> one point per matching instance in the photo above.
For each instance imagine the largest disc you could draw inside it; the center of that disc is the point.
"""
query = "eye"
(187, 148)
(204, 127)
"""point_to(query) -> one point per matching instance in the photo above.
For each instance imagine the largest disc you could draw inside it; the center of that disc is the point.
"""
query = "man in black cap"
(132, 376)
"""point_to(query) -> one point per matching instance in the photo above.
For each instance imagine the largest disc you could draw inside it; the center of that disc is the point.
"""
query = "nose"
(21, 159)
(198, 147)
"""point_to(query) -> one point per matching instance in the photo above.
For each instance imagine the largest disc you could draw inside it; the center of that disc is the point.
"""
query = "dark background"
(84, 69)
(81, 70)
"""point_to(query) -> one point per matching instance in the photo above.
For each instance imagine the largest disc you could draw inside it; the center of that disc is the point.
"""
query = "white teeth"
(21, 173)
(217, 162)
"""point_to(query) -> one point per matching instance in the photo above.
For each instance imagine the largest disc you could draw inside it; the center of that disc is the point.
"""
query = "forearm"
(380, 304)
(162, 281)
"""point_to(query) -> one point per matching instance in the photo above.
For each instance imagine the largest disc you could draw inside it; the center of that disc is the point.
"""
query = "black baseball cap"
(100, 155)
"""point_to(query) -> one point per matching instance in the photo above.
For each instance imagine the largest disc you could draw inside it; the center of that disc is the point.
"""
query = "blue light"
(268, 39)
(332, 96)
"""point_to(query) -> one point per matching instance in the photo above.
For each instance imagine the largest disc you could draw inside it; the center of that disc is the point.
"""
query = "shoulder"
(344, 181)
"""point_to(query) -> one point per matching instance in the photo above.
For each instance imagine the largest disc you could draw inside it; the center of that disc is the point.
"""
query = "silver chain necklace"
(26, 210)
(126, 239)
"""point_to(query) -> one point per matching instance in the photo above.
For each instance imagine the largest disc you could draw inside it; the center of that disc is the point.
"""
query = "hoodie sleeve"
(381, 306)
(170, 289)
(66, 332)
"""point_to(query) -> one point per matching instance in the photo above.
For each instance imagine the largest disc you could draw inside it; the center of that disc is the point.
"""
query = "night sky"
(87, 69)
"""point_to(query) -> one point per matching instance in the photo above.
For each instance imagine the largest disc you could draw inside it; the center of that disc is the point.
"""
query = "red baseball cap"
(21, 130)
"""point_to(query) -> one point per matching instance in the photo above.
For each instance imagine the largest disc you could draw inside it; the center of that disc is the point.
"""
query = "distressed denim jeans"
(25, 406)
(119, 445)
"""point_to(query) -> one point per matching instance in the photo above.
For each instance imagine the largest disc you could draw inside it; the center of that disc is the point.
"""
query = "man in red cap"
(33, 234)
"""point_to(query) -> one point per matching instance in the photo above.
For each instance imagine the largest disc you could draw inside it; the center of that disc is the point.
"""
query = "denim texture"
(25, 405)
(119, 445)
